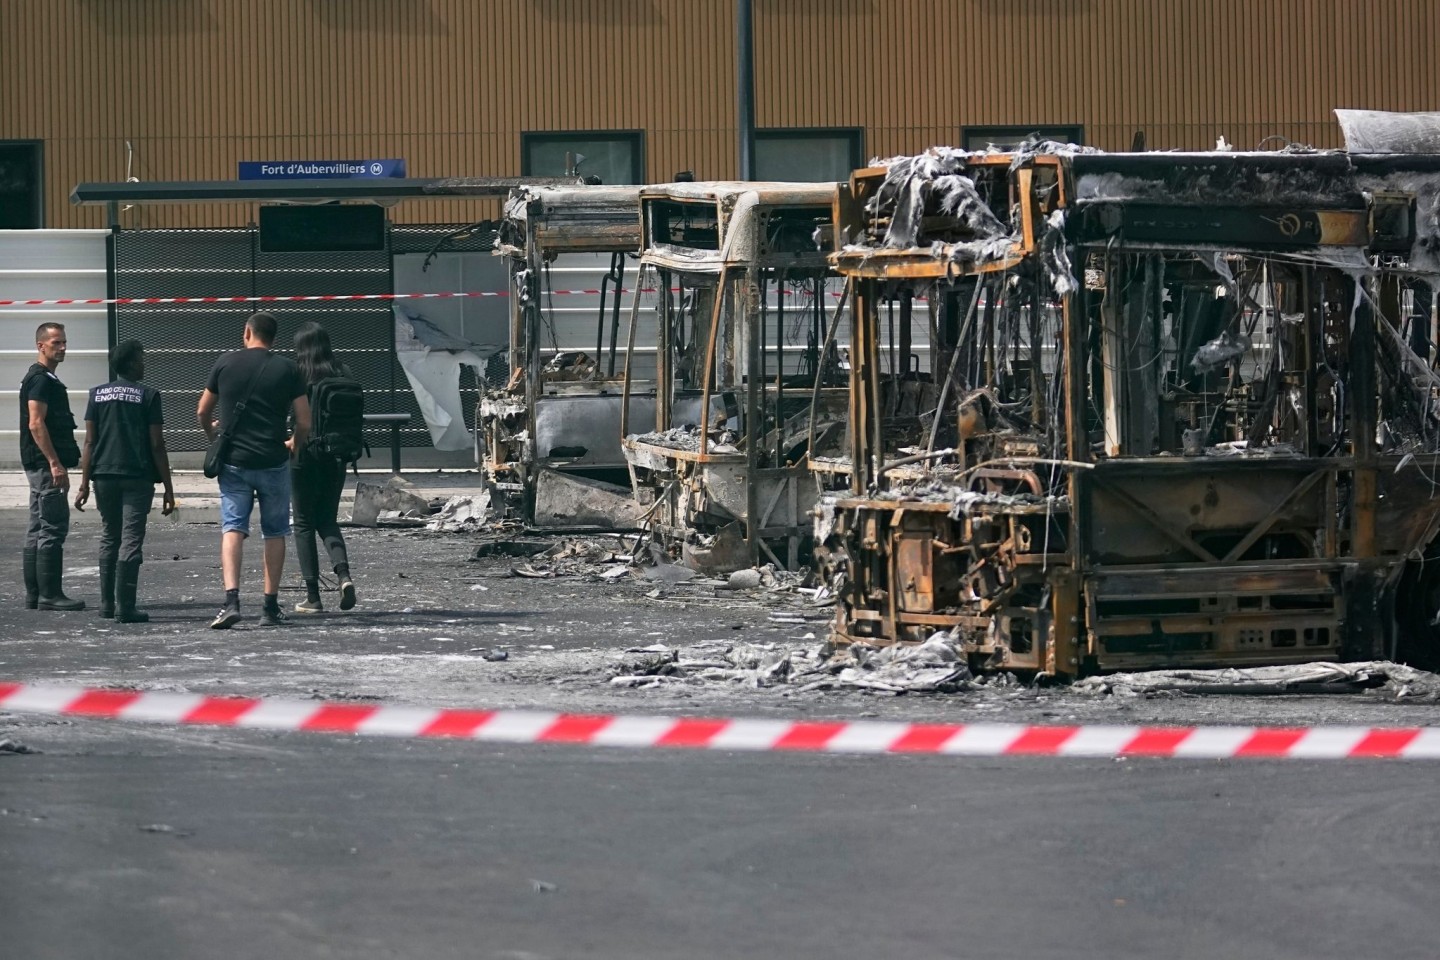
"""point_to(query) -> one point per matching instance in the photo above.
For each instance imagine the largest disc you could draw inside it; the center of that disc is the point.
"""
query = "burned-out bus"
(746, 305)
(551, 436)
(1181, 409)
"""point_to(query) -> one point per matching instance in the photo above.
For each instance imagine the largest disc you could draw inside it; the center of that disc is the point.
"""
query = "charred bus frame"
(721, 469)
(1188, 412)
(551, 436)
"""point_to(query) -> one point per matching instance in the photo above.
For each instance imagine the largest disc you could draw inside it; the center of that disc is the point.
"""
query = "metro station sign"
(321, 169)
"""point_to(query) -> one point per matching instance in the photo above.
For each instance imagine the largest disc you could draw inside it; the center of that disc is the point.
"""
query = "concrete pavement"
(199, 498)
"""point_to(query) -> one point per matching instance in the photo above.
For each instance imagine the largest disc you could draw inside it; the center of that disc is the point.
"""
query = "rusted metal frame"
(1361, 395)
(664, 361)
(820, 363)
(892, 345)
(793, 541)
(1310, 348)
(753, 398)
(1023, 187)
(1263, 527)
(617, 266)
(954, 363)
(779, 367)
(1027, 477)
(876, 421)
(1155, 520)
(707, 382)
(861, 471)
(894, 533)
(1112, 354)
(533, 367)
(907, 316)
(913, 265)
(984, 356)
(630, 355)
(605, 282)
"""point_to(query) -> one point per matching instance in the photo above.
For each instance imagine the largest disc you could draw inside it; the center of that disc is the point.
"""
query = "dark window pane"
(806, 155)
(613, 157)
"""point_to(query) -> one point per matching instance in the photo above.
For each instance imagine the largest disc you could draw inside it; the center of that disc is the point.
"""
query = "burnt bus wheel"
(1417, 610)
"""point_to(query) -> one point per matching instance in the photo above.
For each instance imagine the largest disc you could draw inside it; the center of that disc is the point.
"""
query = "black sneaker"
(273, 618)
(225, 619)
(347, 594)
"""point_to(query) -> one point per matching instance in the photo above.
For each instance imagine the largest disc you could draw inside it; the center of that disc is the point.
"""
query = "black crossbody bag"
(219, 448)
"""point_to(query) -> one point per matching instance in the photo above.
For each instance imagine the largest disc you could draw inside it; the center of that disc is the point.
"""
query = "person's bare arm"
(162, 467)
(41, 433)
(83, 494)
(205, 413)
(301, 433)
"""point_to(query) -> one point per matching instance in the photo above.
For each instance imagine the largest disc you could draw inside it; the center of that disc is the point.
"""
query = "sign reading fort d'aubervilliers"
(320, 169)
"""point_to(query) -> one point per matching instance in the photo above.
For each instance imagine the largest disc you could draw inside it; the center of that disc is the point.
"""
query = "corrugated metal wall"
(196, 85)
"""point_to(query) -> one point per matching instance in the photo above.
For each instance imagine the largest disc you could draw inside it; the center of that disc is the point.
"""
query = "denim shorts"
(238, 489)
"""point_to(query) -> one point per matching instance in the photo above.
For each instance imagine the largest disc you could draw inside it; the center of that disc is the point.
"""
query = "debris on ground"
(580, 557)
(16, 747)
(394, 501)
(565, 500)
(933, 666)
(462, 513)
(502, 545)
(1391, 680)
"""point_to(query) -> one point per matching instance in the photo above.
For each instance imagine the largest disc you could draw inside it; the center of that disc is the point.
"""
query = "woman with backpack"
(318, 475)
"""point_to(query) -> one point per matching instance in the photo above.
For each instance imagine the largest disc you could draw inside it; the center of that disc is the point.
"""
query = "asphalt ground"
(137, 841)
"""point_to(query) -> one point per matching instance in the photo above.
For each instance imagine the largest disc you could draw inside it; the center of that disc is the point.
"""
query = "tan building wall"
(194, 86)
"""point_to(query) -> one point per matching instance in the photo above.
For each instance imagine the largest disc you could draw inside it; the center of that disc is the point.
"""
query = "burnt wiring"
(465, 233)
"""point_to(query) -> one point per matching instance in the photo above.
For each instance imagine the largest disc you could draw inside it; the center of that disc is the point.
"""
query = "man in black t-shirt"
(254, 393)
(47, 452)
(125, 455)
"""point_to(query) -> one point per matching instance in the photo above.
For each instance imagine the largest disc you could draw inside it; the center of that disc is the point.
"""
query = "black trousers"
(315, 486)
(124, 504)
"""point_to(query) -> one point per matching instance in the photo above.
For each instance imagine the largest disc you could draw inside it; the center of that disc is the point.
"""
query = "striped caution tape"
(870, 736)
(308, 298)
(318, 297)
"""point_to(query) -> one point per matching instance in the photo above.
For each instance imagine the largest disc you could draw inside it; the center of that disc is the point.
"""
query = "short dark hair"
(46, 327)
(125, 358)
(262, 327)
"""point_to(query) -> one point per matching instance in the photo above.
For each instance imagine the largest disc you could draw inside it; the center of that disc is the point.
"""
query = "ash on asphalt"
(579, 630)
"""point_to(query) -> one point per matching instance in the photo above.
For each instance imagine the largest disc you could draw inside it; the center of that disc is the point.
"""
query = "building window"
(615, 156)
(808, 154)
(22, 184)
(1007, 137)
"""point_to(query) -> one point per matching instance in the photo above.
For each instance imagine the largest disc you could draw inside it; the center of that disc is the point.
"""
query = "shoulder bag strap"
(249, 392)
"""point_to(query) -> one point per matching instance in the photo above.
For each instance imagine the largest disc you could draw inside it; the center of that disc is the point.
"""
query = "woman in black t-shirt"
(317, 479)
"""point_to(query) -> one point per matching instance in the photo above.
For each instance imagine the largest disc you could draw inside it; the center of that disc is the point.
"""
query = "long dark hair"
(314, 356)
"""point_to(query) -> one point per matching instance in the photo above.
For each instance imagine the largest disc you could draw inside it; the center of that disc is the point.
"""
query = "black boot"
(32, 582)
(126, 579)
(107, 588)
(49, 564)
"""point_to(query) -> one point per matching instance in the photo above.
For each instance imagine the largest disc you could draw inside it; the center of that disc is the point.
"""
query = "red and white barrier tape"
(866, 736)
(130, 301)
(310, 298)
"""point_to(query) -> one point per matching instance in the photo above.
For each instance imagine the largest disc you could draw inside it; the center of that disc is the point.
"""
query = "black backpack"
(337, 410)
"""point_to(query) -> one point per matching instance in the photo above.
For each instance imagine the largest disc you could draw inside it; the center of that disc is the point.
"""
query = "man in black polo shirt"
(47, 452)
(125, 455)
(258, 464)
